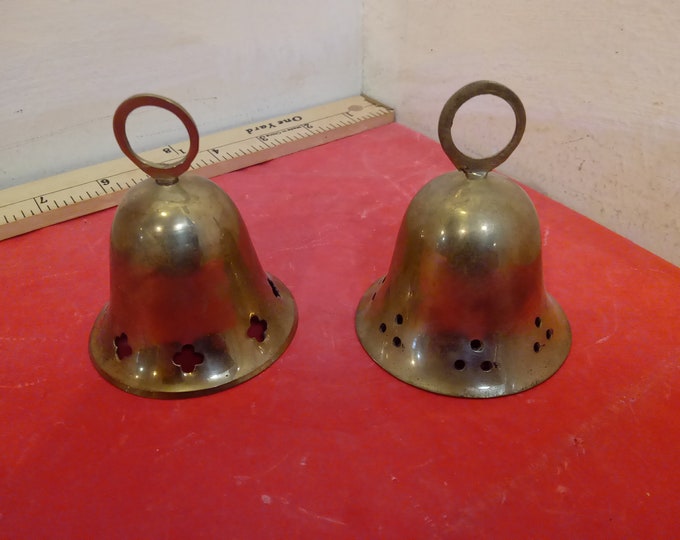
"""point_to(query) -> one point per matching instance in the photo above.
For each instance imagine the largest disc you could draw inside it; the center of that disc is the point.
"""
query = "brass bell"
(191, 310)
(463, 310)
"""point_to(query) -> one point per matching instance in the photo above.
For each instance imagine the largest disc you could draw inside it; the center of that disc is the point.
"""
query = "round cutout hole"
(486, 365)
(476, 345)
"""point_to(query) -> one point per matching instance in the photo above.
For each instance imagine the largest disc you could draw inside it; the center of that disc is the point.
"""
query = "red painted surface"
(325, 444)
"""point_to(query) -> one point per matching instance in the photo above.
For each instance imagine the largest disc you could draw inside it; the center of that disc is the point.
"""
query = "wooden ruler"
(34, 205)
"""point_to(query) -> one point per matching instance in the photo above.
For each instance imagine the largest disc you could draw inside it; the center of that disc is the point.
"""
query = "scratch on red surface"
(242, 478)
(319, 516)
(21, 385)
(421, 465)
(274, 467)
(604, 339)
(39, 339)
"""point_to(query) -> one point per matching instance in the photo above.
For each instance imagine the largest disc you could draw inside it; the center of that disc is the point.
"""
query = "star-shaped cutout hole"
(187, 359)
(257, 328)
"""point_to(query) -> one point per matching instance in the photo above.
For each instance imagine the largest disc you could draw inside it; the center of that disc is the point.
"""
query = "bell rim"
(98, 329)
(562, 354)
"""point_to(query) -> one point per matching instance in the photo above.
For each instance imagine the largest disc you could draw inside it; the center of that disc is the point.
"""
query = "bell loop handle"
(476, 167)
(164, 173)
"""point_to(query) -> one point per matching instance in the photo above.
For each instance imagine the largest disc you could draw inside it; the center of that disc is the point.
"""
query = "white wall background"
(600, 82)
(65, 65)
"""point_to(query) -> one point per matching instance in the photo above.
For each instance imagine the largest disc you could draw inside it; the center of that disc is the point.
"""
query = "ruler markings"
(48, 193)
(221, 152)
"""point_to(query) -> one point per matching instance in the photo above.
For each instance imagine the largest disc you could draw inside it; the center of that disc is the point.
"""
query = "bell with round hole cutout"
(463, 310)
(191, 310)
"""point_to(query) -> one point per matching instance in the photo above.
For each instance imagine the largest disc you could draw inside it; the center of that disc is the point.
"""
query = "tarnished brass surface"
(463, 310)
(191, 310)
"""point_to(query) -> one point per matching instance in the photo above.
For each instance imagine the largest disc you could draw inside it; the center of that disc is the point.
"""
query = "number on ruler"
(215, 150)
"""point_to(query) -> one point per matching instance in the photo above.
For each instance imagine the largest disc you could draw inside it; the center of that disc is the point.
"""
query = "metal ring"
(462, 161)
(158, 171)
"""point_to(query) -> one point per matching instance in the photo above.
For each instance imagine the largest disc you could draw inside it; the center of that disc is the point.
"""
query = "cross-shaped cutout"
(187, 359)
(257, 328)
(123, 348)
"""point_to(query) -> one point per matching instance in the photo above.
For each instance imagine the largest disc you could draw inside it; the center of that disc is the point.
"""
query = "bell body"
(191, 310)
(463, 310)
